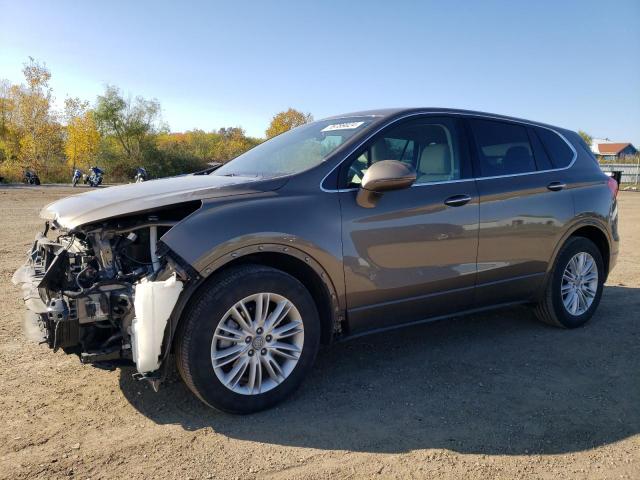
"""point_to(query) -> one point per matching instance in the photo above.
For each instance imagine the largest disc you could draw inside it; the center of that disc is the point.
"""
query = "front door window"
(429, 147)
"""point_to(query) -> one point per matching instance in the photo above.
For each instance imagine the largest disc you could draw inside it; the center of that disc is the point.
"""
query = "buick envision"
(340, 227)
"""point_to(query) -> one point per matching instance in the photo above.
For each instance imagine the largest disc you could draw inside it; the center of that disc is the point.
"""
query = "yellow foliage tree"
(285, 121)
(9, 132)
(35, 121)
(83, 139)
(31, 136)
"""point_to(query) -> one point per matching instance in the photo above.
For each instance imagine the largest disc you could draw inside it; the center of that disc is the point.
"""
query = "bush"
(627, 160)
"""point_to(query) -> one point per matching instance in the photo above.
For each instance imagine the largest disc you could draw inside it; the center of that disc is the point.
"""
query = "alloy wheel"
(257, 343)
(579, 283)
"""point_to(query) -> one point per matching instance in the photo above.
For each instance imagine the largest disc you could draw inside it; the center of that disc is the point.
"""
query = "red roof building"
(614, 151)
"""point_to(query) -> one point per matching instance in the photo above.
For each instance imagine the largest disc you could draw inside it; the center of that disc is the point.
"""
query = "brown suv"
(341, 227)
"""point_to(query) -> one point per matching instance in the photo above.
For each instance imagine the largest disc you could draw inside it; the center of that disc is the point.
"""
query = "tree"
(83, 139)
(192, 150)
(588, 139)
(9, 140)
(231, 142)
(35, 123)
(130, 122)
(285, 121)
(30, 134)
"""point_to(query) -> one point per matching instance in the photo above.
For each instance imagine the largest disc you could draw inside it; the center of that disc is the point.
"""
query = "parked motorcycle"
(94, 178)
(141, 175)
(77, 175)
(31, 178)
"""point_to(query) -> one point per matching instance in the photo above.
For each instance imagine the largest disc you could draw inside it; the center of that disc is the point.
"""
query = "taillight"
(613, 186)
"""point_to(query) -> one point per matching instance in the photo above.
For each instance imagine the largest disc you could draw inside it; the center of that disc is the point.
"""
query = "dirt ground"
(496, 395)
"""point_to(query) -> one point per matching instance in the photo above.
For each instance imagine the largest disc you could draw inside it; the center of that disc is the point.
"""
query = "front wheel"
(575, 285)
(248, 339)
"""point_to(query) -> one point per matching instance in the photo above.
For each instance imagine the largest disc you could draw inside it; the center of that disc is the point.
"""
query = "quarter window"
(557, 149)
(428, 146)
(503, 148)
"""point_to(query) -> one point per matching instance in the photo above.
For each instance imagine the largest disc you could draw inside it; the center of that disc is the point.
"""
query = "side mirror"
(381, 177)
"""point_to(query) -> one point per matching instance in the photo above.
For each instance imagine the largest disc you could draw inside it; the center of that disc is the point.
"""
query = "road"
(496, 395)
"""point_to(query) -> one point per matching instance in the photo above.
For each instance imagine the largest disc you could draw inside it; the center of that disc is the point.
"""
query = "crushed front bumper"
(29, 277)
(48, 318)
(107, 324)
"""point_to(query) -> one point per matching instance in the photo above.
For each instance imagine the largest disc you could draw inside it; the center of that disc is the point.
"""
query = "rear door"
(524, 205)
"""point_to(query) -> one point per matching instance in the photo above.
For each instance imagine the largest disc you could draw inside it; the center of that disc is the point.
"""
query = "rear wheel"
(575, 286)
(249, 339)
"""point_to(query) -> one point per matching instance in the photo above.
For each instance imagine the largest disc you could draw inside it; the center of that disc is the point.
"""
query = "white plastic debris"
(154, 302)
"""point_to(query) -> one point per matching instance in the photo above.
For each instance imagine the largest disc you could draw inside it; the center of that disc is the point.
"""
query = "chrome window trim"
(493, 117)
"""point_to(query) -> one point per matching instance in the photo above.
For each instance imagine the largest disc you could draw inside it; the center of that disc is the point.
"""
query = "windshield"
(296, 150)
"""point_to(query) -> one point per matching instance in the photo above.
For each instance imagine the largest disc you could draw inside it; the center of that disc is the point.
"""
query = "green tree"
(131, 122)
(588, 139)
(285, 121)
(192, 150)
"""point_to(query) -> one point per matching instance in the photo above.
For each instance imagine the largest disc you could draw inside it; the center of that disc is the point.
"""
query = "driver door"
(412, 256)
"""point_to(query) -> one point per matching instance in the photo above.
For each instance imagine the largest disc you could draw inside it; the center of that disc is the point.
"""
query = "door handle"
(457, 200)
(556, 186)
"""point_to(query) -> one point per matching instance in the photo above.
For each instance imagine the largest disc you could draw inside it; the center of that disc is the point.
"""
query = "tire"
(196, 350)
(552, 309)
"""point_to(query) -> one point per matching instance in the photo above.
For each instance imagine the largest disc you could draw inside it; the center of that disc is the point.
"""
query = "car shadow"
(496, 383)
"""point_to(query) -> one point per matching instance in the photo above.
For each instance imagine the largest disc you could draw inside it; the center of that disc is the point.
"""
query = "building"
(605, 149)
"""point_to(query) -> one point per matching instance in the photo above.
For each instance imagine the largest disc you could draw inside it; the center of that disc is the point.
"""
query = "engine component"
(62, 331)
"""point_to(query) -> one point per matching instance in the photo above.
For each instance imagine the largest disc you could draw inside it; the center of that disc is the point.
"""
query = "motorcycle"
(77, 175)
(141, 175)
(31, 178)
(94, 179)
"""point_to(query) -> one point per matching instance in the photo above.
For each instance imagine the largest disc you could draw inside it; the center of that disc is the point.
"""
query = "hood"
(104, 203)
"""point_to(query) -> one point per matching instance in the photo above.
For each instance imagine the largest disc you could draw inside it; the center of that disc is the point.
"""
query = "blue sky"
(214, 64)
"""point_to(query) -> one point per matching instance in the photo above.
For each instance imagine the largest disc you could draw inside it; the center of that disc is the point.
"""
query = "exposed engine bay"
(103, 292)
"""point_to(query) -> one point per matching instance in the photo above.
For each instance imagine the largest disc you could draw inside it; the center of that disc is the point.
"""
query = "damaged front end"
(101, 290)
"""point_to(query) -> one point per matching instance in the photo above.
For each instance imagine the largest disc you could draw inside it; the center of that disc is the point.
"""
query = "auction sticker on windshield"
(341, 126)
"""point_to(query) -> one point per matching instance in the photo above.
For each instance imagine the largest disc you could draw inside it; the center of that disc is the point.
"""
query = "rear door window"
(557, 149)
(543, 161)
(503, 148)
